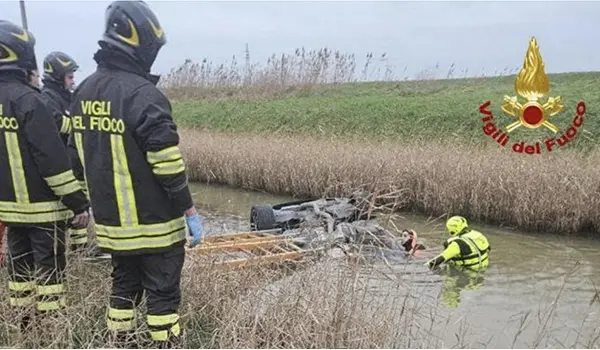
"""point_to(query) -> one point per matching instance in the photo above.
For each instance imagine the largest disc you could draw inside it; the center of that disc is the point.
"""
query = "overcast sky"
(481, 36)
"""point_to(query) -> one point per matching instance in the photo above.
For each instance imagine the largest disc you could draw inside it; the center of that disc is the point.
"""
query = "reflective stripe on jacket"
(58, 100)
(38, 185)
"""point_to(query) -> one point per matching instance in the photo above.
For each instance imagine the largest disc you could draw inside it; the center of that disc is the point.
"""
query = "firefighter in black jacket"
(33, 79)
(58, 79)
(39, 194)
(125, 146)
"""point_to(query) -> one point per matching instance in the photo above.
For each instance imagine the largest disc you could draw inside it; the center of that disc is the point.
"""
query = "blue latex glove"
(194, 224)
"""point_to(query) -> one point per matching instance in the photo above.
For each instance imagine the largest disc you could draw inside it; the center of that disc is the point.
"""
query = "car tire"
(262, 217)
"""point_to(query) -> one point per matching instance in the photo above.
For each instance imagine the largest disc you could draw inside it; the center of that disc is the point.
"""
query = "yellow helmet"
(456, 224)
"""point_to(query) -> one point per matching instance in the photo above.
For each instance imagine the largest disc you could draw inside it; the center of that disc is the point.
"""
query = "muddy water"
(539, 290)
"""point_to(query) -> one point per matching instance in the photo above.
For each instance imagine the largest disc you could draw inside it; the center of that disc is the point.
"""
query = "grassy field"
(439, 109)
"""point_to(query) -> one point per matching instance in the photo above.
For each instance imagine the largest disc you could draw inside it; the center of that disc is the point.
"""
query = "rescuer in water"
(466, 252)
(466, 248)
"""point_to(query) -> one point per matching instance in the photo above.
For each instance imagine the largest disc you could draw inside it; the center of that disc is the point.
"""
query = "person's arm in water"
(451, 251)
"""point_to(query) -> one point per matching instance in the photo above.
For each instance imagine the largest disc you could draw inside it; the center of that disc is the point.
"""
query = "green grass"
(439, 109)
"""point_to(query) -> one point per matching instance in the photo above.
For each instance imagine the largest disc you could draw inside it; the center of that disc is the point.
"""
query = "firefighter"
(59, 80)
(33, 78)
(125, 146)
(39, 195)
(465, 249)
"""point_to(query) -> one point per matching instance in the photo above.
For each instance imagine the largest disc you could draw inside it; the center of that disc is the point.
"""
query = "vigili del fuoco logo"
(532, 84)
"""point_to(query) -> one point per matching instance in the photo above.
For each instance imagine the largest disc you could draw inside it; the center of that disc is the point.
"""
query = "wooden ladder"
(236, 250)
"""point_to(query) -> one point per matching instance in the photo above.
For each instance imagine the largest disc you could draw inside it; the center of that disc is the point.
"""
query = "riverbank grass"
(424, 110)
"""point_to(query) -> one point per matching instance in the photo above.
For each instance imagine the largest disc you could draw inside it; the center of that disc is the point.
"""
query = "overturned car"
(317, 212)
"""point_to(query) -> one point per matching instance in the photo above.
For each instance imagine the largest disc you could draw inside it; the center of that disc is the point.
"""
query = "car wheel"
(262, 217)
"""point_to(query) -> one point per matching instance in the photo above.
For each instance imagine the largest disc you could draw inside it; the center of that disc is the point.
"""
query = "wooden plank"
(240, 235)
(260, 247)
(268, 257)
(241, 242)
(236, 246)
(260, 260)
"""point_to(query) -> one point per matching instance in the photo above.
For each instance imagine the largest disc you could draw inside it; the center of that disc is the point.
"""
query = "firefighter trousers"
(159, 276)
(36, 264)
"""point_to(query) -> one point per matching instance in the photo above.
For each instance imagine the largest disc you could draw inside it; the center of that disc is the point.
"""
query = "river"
(552, 279)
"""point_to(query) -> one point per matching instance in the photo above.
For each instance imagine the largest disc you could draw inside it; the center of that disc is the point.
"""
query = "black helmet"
(58, 64)
(16, 48)
(132, 27)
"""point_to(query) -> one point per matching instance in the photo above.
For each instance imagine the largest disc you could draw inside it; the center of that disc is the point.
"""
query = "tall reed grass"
(295, 73)
(550, 193)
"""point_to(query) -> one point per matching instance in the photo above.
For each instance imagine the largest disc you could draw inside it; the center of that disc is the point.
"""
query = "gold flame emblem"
(532, 83)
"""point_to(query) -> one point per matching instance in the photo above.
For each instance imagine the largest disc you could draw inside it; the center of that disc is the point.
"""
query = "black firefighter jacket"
(59, 100)
(125, 146)
(37, 183)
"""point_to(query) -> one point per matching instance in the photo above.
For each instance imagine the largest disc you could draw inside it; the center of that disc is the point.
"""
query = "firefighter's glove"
(195, 229)
(81, 220)
(435, 262)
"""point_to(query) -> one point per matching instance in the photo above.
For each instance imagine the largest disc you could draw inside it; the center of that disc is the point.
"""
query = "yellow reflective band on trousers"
(141, 236)
(34, 212)
(123, 184)
(16, 167)
(78, 236)
(51, 297)
(21, 286)
(65, 127)
(161, 326)
(64, 183)
(22, 302)
(21, 293)
(168, 161)
(120, 320)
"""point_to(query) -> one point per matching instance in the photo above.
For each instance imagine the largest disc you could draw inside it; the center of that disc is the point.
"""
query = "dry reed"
(330, 304)
(552, 192)
(294, 73)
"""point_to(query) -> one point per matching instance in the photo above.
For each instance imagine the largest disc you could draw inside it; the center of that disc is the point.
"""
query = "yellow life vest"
(474, 250)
